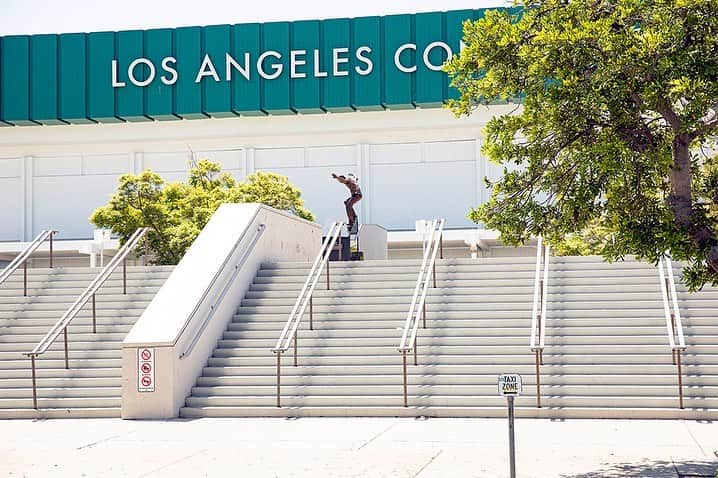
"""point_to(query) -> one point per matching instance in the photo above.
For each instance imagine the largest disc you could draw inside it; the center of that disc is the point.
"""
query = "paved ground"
(357, 447)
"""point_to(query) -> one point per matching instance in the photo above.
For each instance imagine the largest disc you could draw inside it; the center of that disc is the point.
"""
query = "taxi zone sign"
(510, 384)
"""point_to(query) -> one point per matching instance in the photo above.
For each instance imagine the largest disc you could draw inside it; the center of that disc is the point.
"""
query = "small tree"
(176, 212)
(619, 99)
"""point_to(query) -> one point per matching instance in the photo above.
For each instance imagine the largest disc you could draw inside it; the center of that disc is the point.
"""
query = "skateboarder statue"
(351, 182)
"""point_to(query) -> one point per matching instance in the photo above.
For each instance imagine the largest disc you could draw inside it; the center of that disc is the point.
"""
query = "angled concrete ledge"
(188, 315)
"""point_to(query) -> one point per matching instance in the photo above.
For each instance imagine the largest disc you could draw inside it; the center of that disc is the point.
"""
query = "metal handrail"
(289, 332)
(674, 325)
(21, 259)
(538, 313)
(89, 293)
(228, 285)
(417, 308)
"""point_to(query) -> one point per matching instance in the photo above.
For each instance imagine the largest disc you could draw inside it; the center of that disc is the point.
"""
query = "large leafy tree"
(618, 111)
(176, 212)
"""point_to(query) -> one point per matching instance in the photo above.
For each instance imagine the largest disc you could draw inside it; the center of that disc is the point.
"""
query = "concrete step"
(45, 413)
(73, 402)
(45, 362)
(457, 390)
(522, 411)
(101, 297)
(45, 372)
(72, 392)
(336, 277)
(491, 400)
(91, 381)
(526, 369)
(608, 334)
(503, 360)
(349, 377)
(426, 349)
(127, 303)
(59, 345)
(7, 295)
(435, 339)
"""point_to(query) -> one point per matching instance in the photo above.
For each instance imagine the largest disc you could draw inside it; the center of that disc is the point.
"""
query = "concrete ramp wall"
(165, 351)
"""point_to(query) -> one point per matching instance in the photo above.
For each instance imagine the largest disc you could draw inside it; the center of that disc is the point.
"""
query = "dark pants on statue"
(351, 214)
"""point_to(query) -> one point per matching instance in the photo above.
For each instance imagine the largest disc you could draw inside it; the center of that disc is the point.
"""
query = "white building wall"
(411, 164)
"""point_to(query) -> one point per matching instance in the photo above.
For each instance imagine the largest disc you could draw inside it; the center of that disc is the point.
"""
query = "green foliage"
(618, 99)
(176, 212)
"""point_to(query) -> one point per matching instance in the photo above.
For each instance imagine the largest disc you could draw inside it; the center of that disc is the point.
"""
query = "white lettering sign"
(510, 384)
(272, 64)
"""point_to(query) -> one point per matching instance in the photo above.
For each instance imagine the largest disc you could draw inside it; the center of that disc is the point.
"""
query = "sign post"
(510, 387)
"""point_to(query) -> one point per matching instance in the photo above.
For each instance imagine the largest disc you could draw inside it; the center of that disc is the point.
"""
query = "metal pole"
(327, 274)
(680, 378)
(295, 348)
(416, 346)
(406, 403)
(124, 276)
(279, 375)
(51, 234)
(538, 380)
(67, 359)
(424, 313)
(311, 313)
(94, 316)
(34, 385)
(434, 274)
(441, 246)
(512, 448)
(25, 278)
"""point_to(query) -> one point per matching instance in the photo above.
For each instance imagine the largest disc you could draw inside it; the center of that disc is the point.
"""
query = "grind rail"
(89, 293)
(674, 326)
(417, 308)
(538, 314)
(22, 258)
(289, 333)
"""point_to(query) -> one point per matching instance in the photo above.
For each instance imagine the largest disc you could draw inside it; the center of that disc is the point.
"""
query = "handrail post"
(677, 360)
(279, 378)
(406, 403)
(296, 334)
(34, 383)
(124, 276)
(416, 346)
(424, 314)
(311, 312)
(94, 316)
(538, 379)
(52, 233)
(441, 246)
(67, 358)
(24, 280)
(328, 262)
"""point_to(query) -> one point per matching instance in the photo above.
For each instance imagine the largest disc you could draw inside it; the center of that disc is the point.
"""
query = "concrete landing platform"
(357, 447)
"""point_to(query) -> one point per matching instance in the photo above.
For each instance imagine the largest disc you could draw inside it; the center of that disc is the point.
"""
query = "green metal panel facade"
(309, 66)
(306, 87)
(72, 78)
(159, 97)
(217, 95)
(130, 98)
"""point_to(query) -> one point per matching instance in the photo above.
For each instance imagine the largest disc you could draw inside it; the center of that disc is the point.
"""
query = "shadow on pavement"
(654, 469)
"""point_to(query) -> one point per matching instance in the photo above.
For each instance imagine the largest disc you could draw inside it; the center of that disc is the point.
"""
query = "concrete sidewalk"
(356, 447)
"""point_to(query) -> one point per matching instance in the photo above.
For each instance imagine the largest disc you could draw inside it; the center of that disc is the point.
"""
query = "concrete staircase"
(91, 386)
(606, 355)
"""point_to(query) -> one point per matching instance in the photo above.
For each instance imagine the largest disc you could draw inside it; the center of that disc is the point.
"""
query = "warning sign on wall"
(146, 369)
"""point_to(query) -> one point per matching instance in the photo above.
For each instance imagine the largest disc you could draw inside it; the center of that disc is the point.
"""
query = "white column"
(137, 160)
(249, 161)
(27, 180)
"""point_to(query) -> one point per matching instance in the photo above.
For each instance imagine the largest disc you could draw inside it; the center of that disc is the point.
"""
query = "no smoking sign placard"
(146, 370)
